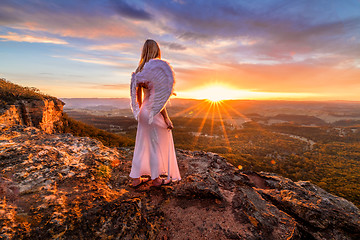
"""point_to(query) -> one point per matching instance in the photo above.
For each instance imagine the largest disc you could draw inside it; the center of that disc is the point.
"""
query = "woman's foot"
(138, 181)
(160, 181)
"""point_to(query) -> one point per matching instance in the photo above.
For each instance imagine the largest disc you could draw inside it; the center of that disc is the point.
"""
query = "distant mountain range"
(101, 103)
(318, 113)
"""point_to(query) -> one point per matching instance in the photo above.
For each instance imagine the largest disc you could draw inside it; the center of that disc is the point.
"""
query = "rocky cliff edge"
(57, 186)
(45, 114)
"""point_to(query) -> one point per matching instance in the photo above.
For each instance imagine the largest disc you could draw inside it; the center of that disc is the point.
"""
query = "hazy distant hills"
(303, 112)
(97, 103)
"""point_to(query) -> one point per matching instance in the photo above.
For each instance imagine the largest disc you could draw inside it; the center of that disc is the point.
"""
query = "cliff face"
(66, 187)
(44, 114)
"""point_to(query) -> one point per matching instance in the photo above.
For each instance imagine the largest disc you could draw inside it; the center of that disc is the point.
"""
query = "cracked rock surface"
(57, 186)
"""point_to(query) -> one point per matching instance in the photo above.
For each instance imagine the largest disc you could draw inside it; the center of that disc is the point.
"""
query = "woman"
(154, 152)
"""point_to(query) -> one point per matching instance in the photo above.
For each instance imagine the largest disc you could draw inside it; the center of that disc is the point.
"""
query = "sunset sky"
(266, 49)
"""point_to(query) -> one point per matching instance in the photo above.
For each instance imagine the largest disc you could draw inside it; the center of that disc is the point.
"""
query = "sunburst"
(216, 93)
(212, 107)
(215, 99)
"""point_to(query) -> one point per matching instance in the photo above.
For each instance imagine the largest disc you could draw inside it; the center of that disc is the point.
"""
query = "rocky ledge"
(45, 114)
(65, 187)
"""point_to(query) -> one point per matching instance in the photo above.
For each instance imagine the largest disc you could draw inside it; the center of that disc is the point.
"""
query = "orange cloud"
(109, 47)
(11, 36)
(96, 61)
(91, 27)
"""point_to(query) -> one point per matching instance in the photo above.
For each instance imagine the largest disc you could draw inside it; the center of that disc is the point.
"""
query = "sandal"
(163, 182)
(142, 181)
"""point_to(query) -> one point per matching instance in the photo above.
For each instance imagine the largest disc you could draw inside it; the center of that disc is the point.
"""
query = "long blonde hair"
(150, 50)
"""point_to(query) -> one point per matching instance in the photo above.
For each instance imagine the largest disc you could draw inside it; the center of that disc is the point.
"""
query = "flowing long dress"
(154, 152)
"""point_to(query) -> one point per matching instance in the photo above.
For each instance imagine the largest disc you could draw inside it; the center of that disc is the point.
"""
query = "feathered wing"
(159, 76)
(134, 104)
(161, 85)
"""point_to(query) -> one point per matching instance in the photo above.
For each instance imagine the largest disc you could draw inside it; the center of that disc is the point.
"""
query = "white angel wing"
(160, 78)
(134, 105)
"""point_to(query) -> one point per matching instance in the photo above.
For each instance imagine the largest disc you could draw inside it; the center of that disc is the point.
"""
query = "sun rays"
(213, 118)
(209, 111)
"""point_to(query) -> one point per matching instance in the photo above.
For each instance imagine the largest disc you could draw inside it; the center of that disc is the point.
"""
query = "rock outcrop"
(45, 114)
(57, 186)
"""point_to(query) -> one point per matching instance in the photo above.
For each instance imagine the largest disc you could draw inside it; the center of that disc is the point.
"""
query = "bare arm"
(166, 118)
(164, 113)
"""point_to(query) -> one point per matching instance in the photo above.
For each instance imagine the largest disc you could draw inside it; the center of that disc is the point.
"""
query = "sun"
(216, 93)
(215, 99)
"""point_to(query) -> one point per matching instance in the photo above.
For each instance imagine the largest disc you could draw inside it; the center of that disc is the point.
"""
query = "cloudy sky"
(277, 49)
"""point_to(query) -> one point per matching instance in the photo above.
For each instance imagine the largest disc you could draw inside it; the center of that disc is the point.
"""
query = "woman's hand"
(169, 123)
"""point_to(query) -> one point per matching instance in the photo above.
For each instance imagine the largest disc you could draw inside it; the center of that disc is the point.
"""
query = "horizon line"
(204, 99)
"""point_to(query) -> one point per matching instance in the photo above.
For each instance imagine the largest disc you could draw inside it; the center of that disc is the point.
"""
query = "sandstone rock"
(57, 186)
(44, 114)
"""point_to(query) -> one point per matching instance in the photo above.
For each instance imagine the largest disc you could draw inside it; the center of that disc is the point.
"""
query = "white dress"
(154, 152)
